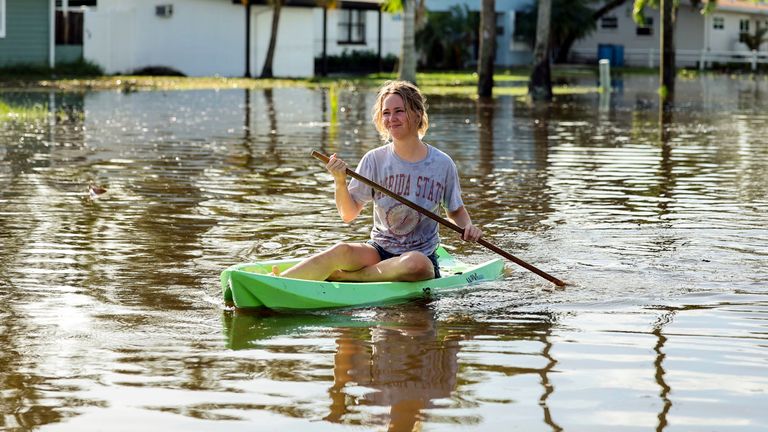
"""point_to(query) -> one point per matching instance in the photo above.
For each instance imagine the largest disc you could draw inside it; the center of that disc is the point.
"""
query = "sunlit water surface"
(111, 315)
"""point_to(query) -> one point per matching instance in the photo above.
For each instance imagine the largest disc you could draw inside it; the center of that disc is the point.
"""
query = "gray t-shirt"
(431, 183)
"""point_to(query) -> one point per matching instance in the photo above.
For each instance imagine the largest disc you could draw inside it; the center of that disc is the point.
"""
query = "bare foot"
(275, 271)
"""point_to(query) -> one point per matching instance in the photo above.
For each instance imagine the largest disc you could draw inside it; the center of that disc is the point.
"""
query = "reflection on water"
(400, 367)
(110, 309)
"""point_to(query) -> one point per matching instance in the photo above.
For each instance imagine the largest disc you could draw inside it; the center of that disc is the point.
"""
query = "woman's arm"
(348, 208)
(460, 217)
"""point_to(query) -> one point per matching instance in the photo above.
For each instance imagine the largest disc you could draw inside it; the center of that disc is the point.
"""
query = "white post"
(52, 35)
(702, 60)
(605, 76)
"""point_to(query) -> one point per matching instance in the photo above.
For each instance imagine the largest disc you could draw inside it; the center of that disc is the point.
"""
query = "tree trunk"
(667, 68)
(266, 71)
(540, 83)
(487, 48)
(247, 4)
(407, 68)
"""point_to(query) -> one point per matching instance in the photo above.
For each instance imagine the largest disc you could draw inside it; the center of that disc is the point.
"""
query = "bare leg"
(408, 267)
(343, 256)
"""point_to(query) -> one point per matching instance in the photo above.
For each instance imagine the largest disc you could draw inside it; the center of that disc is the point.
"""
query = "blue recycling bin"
(612, 53)
(605, 52)
(618, 55)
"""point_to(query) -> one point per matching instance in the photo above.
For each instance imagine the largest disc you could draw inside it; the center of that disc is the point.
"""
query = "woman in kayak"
(403, 241)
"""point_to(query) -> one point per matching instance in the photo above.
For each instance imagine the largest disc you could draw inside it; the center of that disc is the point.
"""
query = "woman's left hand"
(472, 233)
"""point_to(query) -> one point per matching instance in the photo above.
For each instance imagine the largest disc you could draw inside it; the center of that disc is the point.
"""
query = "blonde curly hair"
(415, 104)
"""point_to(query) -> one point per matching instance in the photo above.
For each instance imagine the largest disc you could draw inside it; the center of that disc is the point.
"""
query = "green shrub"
(355, 62)
(78, 69)
(158, 71)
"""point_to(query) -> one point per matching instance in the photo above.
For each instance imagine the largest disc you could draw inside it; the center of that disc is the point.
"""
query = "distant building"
(700, 40)
(511, 49)
(26, 32)
(41, 32)
(208, 37)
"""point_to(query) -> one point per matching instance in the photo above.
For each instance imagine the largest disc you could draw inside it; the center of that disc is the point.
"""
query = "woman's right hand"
(337, 168)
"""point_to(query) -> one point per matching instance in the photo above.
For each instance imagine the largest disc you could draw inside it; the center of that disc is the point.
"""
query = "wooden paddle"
(444, 222)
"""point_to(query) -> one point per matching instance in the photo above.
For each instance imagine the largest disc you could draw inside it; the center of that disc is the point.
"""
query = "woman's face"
(396, 119)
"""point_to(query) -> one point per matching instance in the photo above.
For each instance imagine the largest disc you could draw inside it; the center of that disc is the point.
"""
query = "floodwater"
(111, 315)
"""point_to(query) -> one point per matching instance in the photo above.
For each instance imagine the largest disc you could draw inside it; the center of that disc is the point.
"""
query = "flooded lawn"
(111, 314)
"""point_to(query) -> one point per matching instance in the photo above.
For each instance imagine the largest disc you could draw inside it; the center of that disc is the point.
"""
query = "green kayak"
(252, 285)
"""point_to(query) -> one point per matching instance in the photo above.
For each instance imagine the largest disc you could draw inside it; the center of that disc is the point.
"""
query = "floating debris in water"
(96, 192)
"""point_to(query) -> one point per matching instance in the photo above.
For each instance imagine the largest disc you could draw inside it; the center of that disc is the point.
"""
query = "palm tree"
(487, 48)
(540, 83)
(753, 41)
(668, 10)
(266, 71)
(576, 20)
(406, 69)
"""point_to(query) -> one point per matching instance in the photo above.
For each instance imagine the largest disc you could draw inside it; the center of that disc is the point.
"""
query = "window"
(718, 23)
(352, 26)
(518, 34)
(647, 29)
(609, 22)
(744, 26)
(743, 30)
(2, 18)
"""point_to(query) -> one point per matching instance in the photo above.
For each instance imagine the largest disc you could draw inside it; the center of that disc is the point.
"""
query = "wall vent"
(164, 11)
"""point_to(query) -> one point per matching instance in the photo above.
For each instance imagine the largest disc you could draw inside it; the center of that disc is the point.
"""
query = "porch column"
(52, 35)
(324, 61)
(381, 66)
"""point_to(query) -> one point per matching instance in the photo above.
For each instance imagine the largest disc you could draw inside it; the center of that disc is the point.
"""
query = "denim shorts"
(384, 255)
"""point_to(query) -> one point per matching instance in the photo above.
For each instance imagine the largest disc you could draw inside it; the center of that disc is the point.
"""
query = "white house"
(208, 37)
(358, 26)
(700, 40)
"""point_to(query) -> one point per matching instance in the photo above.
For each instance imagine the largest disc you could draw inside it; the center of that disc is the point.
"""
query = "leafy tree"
(445, 40)
(578, 22)
(753, 41)
(575, 19)
(668, 12)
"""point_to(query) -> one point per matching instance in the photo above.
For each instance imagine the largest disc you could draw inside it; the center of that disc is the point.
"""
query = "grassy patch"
(22, 113)
(511, 82)
(507, 82)
(128, 83)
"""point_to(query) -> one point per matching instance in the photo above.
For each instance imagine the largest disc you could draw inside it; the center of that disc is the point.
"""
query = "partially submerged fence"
(702, 59)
